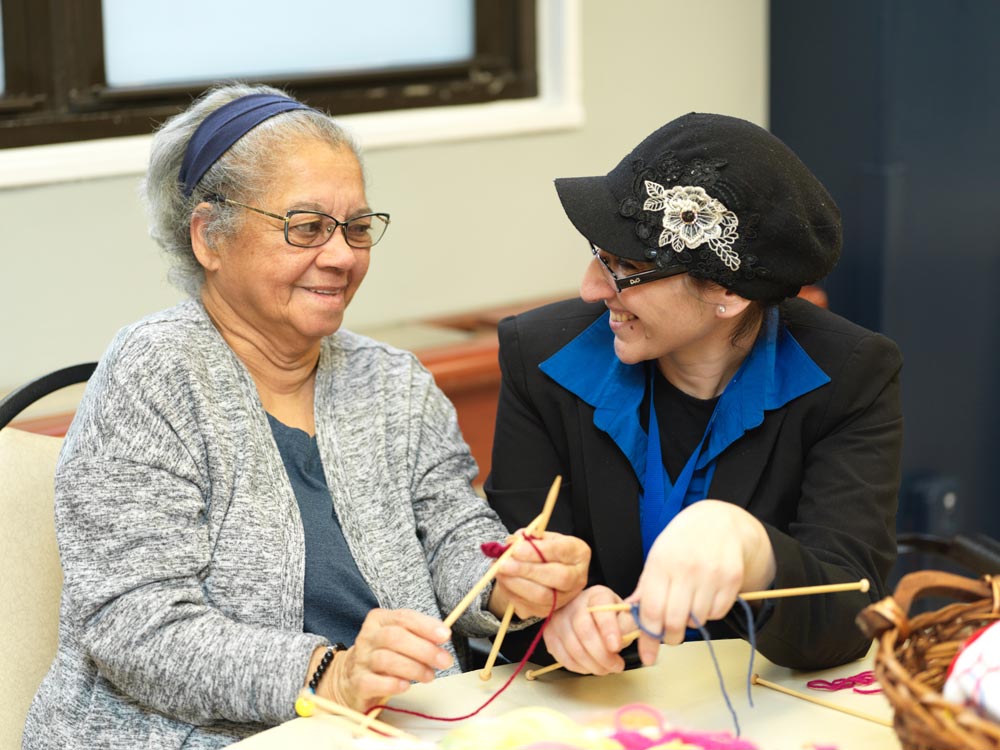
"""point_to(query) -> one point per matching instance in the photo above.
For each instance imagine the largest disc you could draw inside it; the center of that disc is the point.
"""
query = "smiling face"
(664, 318)
(291, 296)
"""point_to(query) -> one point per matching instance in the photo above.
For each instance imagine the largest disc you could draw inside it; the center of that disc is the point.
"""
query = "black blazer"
(821, 473)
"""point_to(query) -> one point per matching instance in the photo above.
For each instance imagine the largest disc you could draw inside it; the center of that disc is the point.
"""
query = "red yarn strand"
(520, 666)
(847, 683)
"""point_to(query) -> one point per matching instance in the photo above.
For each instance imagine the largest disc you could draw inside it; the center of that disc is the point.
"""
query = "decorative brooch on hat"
(689, 209)
(691, 217)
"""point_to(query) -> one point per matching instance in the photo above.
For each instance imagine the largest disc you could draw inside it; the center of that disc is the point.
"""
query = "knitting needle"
(540, 522)
(830, 588)
(749, 596)
(487, 671)
(543, 521)
(757, 680)
(366, 723)
(492, 572)
(532, 674)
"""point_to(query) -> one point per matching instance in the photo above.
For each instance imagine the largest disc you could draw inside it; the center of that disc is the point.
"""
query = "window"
(82, 69)
(2, 76)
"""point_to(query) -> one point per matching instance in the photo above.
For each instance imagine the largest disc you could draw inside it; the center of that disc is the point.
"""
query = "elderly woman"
(245, 483)
(716, 434)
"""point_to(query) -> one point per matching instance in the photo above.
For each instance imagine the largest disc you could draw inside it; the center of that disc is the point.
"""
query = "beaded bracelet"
(325, 662)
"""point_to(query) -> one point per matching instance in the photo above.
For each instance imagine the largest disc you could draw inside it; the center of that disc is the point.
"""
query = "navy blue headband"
(221, 129)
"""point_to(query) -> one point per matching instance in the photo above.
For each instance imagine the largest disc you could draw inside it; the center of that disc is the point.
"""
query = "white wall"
(78, 264)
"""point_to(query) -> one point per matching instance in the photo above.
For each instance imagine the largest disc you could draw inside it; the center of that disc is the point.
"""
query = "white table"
(682, 685)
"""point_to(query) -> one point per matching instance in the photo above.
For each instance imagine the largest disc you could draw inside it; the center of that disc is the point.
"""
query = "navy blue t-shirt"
(337, 598)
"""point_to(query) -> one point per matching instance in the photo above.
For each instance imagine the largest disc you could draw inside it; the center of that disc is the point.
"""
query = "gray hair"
(242, 173)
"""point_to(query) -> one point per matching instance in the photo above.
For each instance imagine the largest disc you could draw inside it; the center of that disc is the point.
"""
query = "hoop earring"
(722, 309)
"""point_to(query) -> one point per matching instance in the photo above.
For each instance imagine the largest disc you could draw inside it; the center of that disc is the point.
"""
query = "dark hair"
(750, 319)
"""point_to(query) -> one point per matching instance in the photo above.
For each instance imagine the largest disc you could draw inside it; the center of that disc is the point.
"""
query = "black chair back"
(21, 398)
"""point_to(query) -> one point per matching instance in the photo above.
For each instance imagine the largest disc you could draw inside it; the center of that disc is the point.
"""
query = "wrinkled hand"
(526, 582)
(708, 553)
(394, 648)
(588, 642)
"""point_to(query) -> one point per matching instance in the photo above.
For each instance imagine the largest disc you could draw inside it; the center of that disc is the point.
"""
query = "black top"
(682, 420)
(337, 598)
(821, 473)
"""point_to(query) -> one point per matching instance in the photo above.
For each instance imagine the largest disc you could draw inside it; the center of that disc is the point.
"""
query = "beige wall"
(77, 262)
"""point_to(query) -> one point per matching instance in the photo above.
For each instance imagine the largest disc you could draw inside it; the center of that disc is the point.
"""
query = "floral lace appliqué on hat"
(691, 218)
(690, 208)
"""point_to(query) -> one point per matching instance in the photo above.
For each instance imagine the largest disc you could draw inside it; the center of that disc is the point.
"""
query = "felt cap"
(720, 197)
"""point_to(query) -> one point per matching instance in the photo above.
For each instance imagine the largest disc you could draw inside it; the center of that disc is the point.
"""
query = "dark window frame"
(56, 90)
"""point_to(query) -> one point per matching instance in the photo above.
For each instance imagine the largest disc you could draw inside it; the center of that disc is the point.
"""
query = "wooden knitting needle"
(367, 723)
(492, 572)
(540, 522)
(487, 671)
(757, 680)
(543, 521)
(832, 588)
(532, 674)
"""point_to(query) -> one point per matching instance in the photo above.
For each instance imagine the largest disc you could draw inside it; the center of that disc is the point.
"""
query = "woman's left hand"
(394, 648)
(526, 582)
(707, 554)
(588, 642)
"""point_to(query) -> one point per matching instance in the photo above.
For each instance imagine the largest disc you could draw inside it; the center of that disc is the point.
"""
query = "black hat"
(718, 196)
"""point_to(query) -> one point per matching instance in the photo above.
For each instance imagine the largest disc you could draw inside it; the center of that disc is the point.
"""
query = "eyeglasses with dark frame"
(314, 228)
(632, 280)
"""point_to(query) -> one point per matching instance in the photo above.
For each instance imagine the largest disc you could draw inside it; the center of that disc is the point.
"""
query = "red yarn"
(493, 549)
(844, 683)
(520, 666)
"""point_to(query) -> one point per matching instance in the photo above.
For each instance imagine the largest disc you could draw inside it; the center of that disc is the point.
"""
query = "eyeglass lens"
(641, 276)
(308, 229)
(597, 254)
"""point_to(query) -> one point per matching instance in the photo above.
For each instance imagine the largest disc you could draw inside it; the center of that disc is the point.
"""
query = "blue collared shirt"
(776, 371)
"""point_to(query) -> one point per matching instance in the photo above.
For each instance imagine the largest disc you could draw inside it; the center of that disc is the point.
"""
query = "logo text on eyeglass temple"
(633, 282)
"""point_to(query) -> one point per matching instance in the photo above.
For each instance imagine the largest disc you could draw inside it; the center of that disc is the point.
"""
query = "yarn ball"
(974, 675)
(636, 726)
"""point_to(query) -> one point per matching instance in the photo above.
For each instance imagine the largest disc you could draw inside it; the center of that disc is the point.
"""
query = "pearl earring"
(722, 309)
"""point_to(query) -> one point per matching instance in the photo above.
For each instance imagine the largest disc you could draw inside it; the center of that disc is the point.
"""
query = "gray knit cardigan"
(182, 546)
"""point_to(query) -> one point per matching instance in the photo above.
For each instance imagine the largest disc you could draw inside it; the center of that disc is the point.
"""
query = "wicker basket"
(914, 654)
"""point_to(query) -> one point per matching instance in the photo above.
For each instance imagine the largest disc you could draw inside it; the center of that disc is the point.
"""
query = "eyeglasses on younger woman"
(633, 279)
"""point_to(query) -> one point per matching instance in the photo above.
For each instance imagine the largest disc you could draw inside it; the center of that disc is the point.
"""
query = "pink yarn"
(632, 740)
(710, 740)
(705, 740)
(844, 683)
(638, 708)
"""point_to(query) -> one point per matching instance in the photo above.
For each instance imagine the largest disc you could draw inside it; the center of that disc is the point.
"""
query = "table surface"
(682, 685)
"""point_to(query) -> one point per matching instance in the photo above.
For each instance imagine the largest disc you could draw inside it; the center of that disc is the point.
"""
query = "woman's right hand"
(394, 648)
(587, 642)
(707, 554)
